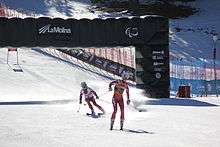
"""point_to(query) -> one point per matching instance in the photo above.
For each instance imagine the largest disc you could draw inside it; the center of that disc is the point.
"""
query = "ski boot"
(111, 125)
(103, 112)
(121, 124)
(93, 113)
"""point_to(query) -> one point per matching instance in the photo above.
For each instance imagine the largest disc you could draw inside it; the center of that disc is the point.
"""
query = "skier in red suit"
(120, 87)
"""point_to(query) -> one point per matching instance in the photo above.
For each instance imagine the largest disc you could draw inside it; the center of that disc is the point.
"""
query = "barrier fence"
(198, 74)
(125, 55)
(103, 63)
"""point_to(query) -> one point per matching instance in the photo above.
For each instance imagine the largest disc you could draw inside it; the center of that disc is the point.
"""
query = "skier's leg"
(112, 124)
(98, 106)
(121, 105)
(114, 103)
(90, 106)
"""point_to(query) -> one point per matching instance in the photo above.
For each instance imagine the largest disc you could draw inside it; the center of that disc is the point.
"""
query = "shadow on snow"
(138, 131)
(178, 102)
(52, 102)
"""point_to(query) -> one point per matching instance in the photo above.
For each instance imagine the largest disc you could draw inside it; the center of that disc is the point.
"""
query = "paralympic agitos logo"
(54, 29)
(131, 32)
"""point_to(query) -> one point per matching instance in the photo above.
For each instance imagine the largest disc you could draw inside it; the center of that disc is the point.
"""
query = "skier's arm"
(110, 85)
(128, 97)
(80, 97)
(95, 94)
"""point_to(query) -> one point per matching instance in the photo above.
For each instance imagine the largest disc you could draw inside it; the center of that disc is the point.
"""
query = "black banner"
(57, 32)
(102, 63)
(155, 73)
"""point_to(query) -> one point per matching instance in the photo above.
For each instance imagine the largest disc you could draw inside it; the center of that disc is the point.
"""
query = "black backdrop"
(148, 34)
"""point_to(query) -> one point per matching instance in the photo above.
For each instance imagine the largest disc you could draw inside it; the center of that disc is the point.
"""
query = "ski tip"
(93, 115)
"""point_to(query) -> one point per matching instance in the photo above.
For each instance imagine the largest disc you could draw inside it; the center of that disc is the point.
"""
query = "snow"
(195, 40)
(39, 105)
(39, 108)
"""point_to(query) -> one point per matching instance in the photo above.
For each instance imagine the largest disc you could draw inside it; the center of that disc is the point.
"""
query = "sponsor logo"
(98, 61)
(49, 29)
(158, 63)
(157, 57)
(131, 32)
(158, 52)
(158, 75)
(158, 69)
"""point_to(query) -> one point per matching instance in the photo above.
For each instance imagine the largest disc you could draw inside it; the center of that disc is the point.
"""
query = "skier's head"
(83, 85)
(124, 75)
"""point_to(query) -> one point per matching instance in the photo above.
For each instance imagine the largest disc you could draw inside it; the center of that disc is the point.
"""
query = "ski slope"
(195, 40)
(39, 105)
(39, 108)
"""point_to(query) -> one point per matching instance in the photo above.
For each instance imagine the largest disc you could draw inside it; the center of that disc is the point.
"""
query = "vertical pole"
(215, 39)
(100, 52)
(112, 54)
(119, 56)
(215, 74)
(17, 56)
(206, 91)
(106, 55)
(7, 56)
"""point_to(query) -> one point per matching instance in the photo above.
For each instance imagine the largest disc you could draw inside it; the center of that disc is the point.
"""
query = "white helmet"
(83, 85)
(125, 75)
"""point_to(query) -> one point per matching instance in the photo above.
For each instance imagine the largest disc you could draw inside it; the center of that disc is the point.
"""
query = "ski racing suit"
(120, 86)
(89, 98)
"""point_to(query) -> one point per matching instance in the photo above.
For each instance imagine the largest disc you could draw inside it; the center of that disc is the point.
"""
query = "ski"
(97, 115)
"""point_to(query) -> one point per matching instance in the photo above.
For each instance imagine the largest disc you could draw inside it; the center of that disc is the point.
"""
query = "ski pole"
(79, 108)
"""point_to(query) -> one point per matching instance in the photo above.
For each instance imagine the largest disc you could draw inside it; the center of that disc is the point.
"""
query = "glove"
(110, 88)
(80, 102)
(128, 102)
(97, 97)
